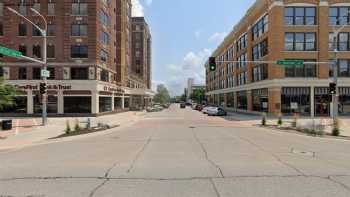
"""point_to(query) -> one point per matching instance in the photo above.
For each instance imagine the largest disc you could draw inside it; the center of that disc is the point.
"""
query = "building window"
(261, 27)
(339, 15)
(260, 72)
(260, 50)
(342, 42)
(307, 70)
(50, 51)
(295, 100)
(1, 29)
(1, 9)
(104, 56)
(79, 51)
(52, 73)
(77, 105)
(36, 73)
(22, 7)
(260, 100)
(104, 38)
(22, 29)
(242, 78)
(242, 101)
(79, 9)
(300, 16)
(105, 104)
(51, 30)
(104, 75)
(343, 68)
(78, 73)
(36, 6)
(79, 30)
(23, 49)
(242, 42)
(51, 9)
(104, 18)
(300, 41)
(36, 31)
(37, 51)
(241, 61)
(22, 73)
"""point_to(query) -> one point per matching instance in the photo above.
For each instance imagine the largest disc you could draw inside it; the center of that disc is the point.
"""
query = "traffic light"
(332, 88)
(212, 63)
(43, 88)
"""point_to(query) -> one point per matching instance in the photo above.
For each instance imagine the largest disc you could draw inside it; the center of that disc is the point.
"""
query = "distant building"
(191, 86)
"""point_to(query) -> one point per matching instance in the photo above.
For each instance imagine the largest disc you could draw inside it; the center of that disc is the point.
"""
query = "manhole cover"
(305, 153)
(192, 127)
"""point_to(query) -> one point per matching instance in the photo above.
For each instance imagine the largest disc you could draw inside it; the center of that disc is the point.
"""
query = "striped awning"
(295, 91)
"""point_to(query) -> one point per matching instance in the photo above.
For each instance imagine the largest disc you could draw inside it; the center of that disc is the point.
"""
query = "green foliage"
(263, 121)
(162, 95)
(7, 95)
(198, 95)
(335, 132)
(68, 129)
(280, 121)
(336, 127)
(77, 126)
(183, 98)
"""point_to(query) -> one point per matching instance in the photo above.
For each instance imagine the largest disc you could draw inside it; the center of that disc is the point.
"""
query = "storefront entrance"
(322, 101)
(296, 100)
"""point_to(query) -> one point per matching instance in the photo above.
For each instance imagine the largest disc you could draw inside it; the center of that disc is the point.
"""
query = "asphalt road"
(181, 153)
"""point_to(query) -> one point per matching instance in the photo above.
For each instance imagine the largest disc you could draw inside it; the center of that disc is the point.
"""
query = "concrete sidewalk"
(304, 122)
(17, 137)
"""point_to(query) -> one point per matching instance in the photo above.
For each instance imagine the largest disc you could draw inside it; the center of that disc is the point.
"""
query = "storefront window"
(77, 104)
(242, 101)
(231, 100)
(105, 104)
(127, 102)
(52, 104)
(117, 103)
(296, 100)
(222, 100)
(260, 100)
(344, 101)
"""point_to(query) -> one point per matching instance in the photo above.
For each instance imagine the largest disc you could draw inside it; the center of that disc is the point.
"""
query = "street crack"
(92, 193)
(206, 154)
(215, 188)
(110, 169)
(138, 155)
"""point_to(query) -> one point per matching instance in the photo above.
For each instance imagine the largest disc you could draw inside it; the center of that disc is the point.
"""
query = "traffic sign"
(10, 52)
(45, 73)
(290, 62)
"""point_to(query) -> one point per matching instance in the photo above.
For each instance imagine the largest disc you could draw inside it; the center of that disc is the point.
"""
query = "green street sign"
(10, 52)
(290, 62)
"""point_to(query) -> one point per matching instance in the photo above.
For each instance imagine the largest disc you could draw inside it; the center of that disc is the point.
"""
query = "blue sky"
(185, 32)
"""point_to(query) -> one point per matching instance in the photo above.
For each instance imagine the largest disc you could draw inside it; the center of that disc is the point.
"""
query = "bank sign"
(49, 87)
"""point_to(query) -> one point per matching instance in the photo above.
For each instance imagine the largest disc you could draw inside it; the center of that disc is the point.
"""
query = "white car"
(216, 111)
(205, 109)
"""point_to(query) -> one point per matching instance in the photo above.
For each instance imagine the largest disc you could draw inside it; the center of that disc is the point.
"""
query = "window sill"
(78, 15)
(301, 51)
(300, 25)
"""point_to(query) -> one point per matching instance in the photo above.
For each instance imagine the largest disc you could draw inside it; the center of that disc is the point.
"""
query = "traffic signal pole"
(335, 79)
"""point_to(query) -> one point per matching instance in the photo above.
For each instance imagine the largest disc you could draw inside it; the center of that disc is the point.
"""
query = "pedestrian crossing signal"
(212, 64)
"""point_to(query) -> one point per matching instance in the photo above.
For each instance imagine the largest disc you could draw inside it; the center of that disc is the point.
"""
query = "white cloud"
(192, 66)
(217, 37)
(137, 8)
(149, 2)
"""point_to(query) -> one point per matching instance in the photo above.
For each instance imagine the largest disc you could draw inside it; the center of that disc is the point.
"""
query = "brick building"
(89, 56)
(277, 30)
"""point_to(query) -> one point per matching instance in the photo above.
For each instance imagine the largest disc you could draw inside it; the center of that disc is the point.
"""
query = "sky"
(184, 34)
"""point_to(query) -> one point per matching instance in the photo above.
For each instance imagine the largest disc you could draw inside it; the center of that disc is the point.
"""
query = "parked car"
(206, 108)
(166, 106)
(199, 107)
(182, 105)
(216, 111)
(158, 107)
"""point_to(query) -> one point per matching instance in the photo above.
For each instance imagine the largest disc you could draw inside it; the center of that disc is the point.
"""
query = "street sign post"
(10, 52)
(290, 62)
(45, 73)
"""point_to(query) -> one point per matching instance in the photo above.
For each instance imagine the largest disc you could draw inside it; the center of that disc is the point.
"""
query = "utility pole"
(44, 62)
(335, 78)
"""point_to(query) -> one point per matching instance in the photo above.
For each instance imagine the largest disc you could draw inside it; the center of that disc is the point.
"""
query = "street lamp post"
(44, 34)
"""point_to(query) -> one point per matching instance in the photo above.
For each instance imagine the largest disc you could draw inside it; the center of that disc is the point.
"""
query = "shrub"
(68, 129)
(77, 126)
(336, 127)
(279, 122)
(263, 121)
(335, 132)
(295, 120)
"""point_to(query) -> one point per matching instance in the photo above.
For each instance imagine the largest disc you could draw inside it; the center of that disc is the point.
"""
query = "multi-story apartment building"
(283, 30)
(141, 50)
(88, 55)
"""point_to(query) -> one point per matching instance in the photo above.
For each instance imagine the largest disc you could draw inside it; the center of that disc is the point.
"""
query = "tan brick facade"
(282, 87)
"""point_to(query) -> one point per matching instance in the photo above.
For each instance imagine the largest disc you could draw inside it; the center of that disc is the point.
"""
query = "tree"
(162, 95)
(7, 95)
(198, 95)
